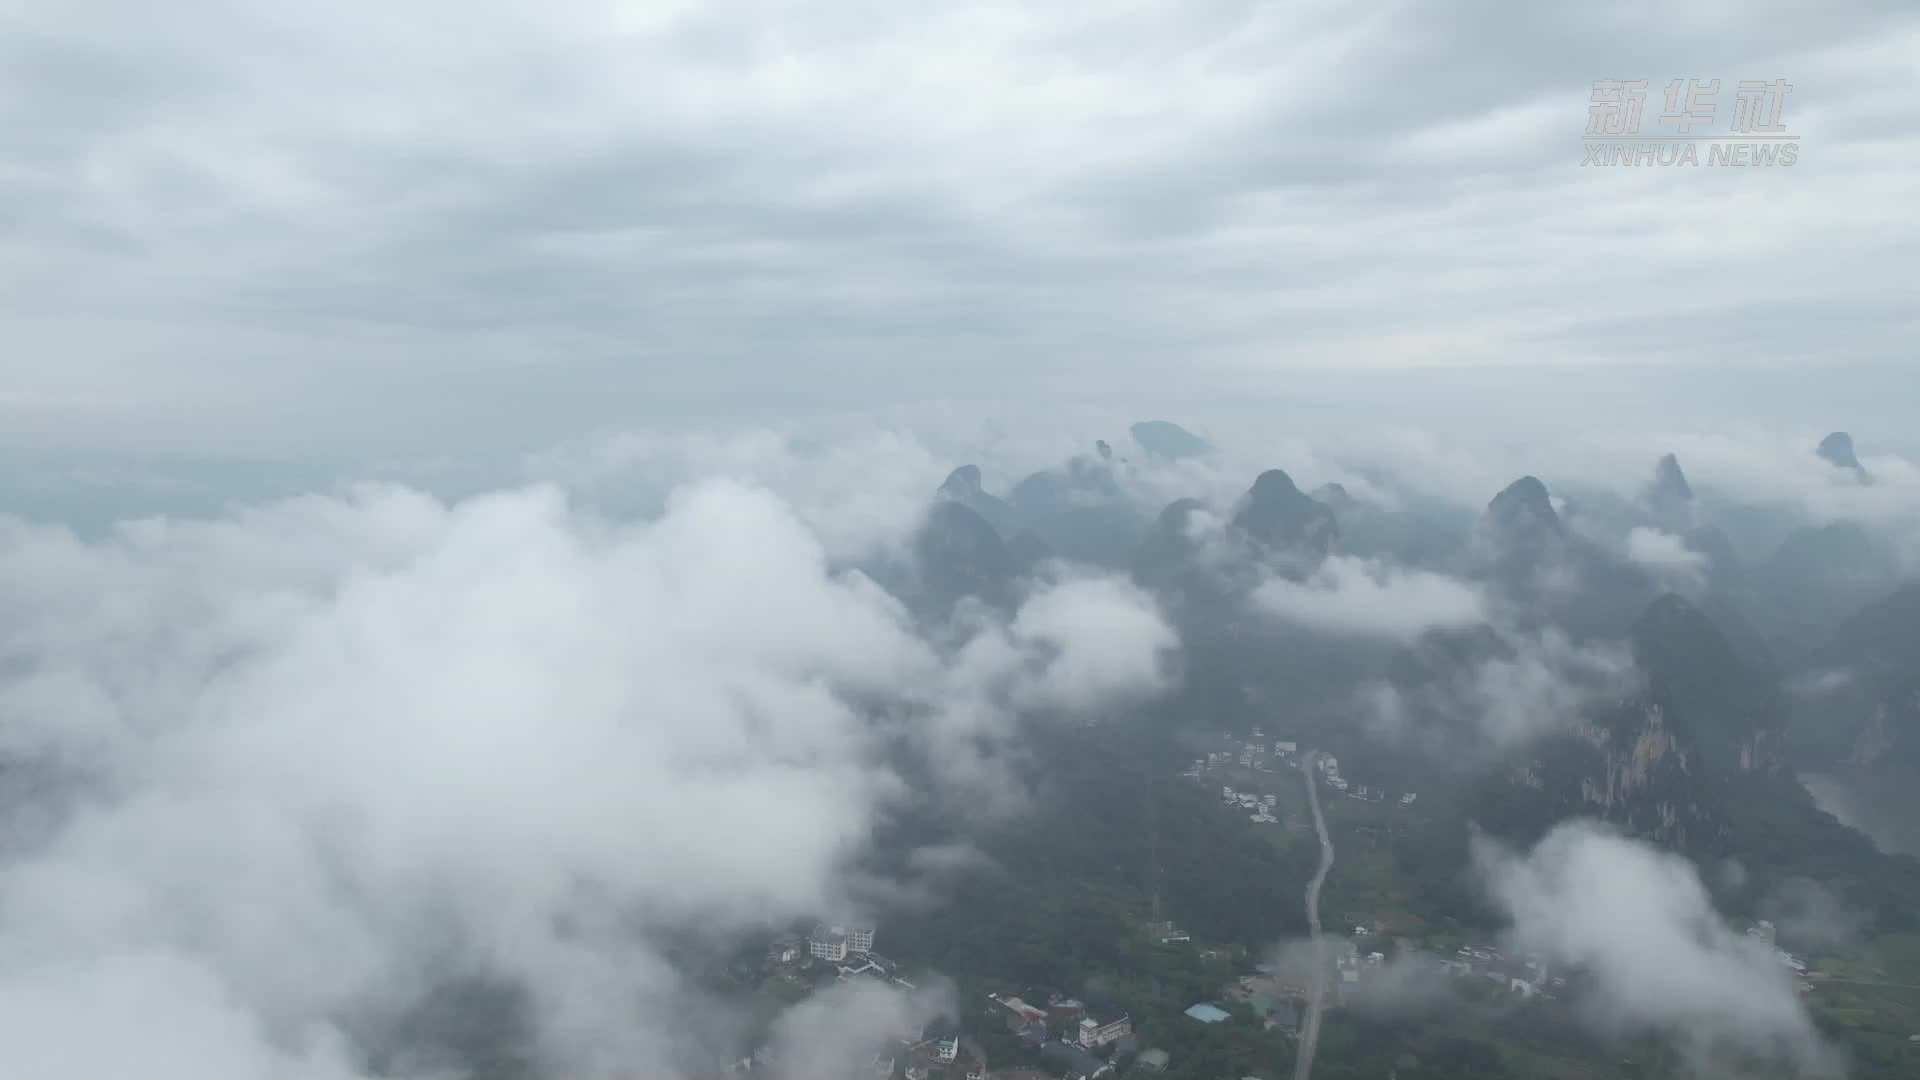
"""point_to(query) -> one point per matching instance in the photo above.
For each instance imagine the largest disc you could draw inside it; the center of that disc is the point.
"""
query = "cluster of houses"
(1260, 756)
(1085, 1041)
(1260, 805)
(1329, 767)
(1255, 754)
(941, 1053)
(845, 952)
(1524, 975)
(1272, 997)
(1353, 965)
(1077, 1039)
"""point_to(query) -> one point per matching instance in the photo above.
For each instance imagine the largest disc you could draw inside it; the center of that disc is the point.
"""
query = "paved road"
(1316, 987)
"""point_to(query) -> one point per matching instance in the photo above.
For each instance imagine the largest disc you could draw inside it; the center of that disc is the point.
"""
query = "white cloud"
(861, 492)
(558, 217)
(1667, 557)
(836, 1033)
(1528, 685)
(1103, 640)
(291, 760)
(1641, 926)
(1369, 598)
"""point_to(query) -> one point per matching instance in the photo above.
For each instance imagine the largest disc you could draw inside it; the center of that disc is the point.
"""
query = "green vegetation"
(1070, 886)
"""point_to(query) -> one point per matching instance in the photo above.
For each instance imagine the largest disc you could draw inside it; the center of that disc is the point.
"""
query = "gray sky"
(361, 227)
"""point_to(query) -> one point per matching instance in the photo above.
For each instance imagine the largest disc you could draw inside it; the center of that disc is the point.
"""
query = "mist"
(296, 765)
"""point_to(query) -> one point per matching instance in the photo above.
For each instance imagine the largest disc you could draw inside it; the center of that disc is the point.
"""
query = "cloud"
(1656, 955)
(1808, 915)
(560, 219)
(1370, 598)
(860, 492)
(1667, 557)
(1822, 681)
(837, 1032)
(1103, 640)
(295, 768)
(1522, 686)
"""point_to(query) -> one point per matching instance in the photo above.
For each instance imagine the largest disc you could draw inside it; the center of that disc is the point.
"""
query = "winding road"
(1317, 986)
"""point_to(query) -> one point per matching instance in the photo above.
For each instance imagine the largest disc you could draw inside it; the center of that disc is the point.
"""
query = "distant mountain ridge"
(1169, 440)
(1081, 509)
(1287, 523)
(1837, 450)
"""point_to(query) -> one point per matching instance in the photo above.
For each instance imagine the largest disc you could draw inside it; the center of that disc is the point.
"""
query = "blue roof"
(1208, 1014)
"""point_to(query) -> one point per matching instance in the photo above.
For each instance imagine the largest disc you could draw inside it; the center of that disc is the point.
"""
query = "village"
(1090, 1039)
(1259, 756)
(1082, 1039)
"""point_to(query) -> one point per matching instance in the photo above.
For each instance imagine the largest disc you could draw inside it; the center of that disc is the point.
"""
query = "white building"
(835, 943)
(827, 945)
(1095, 1032)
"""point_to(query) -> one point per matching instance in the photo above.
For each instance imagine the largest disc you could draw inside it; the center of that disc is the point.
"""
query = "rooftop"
(1077, 1061)
(1208, 1014)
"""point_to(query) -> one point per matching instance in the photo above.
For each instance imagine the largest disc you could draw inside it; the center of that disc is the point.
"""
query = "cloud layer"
(1638, 923)
(531, 220)
(288, 767)
(1370, 598)
(1667, 557)
(1531, 684)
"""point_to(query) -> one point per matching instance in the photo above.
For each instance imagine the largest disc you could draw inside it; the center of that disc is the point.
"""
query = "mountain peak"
(1283, 519)
(1524, 503)
(1166, 439)
(1177, 515)
(1333, 495)
(961, 554)
(1837, 450)
(962, 486)
(1669, 482)
(1273, 484)
(962, 481)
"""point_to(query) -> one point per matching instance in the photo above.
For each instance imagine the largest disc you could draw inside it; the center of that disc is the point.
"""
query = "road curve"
(1317, 986)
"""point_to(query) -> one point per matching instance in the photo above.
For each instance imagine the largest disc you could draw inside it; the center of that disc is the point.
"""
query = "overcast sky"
(236, 228)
